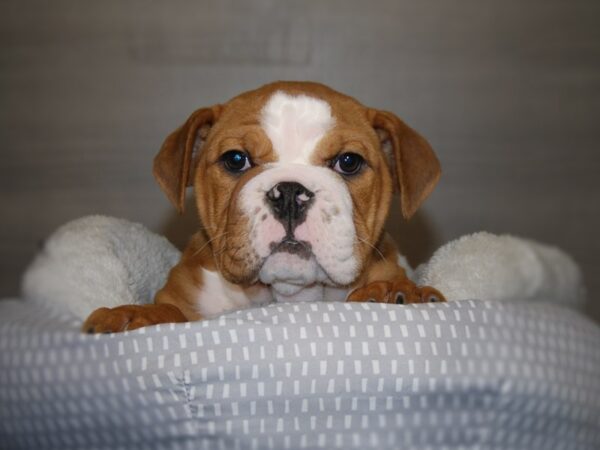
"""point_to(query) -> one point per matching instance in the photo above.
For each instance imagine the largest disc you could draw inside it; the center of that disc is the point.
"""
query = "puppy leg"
(399, 291)
(385, 281)
(175, 302)
(130, 317)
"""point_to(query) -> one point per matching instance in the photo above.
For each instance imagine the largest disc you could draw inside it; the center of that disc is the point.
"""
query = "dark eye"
(348, 163)
(236, 161)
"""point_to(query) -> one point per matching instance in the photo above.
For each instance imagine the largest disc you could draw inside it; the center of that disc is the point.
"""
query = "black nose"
(289, 202)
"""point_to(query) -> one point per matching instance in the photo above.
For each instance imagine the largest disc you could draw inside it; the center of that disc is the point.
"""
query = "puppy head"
(293, 182)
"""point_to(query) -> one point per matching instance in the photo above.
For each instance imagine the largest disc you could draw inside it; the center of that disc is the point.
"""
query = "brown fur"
(189, 156)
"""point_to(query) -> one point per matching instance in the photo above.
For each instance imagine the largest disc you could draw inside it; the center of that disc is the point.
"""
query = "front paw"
(130, 317)
(398, 292)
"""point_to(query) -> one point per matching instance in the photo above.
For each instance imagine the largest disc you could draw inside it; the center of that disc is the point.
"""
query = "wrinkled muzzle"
(299, 225)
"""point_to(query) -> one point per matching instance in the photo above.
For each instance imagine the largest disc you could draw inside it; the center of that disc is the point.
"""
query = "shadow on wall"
(416, 238)
(179, 228)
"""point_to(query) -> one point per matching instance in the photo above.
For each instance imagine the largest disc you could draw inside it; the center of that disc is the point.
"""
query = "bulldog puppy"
(293, 183)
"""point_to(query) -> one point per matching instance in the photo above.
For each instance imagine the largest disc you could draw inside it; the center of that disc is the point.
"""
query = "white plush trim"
(99, 261)
(491, 267)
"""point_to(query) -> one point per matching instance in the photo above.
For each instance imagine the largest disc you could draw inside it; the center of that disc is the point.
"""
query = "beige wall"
(508, 93)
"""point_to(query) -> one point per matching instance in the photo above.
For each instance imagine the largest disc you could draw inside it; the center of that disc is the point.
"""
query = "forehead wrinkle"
(295, 124)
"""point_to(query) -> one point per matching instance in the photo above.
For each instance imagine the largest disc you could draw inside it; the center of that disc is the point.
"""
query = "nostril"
(303, 196)
(289, 202)
(289, 191)
(274, 193)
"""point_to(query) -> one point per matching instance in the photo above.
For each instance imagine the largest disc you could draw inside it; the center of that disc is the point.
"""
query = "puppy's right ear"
(175, 163)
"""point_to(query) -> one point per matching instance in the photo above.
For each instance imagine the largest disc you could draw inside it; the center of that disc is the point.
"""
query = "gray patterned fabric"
(470, 374)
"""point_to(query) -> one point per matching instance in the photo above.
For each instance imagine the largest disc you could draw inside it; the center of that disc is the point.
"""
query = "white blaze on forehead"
(295, 124)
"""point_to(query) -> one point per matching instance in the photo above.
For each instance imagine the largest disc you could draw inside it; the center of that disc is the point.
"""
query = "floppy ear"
(174, 165)
(415, 166)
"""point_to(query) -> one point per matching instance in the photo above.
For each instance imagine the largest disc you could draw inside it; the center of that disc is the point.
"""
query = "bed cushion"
(471, 374)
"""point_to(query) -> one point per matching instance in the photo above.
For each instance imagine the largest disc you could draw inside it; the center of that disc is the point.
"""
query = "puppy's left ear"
(415, 166)
(175, 163)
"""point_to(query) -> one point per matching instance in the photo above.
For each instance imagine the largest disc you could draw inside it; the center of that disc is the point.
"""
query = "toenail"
(400, 299)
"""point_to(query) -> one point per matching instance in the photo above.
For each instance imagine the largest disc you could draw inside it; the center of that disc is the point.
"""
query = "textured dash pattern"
(470, 374)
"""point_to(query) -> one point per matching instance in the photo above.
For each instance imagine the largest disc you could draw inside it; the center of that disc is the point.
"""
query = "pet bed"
(490, 373)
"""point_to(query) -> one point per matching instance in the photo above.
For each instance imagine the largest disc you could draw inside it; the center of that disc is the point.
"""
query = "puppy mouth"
(289, 244)
(291, 266)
